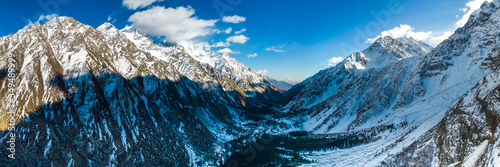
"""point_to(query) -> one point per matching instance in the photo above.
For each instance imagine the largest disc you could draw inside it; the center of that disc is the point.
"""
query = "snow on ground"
(495, 154)
(422, 115)
(47, 148)
(471, 160)
(193, 158)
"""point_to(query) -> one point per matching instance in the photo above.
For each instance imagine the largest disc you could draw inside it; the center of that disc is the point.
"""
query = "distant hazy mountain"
(282, 86)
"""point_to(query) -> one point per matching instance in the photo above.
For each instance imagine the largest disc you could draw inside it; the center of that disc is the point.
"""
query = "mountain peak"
(483, 14)
(109, 30)
(385, 51)
(384, 39)
(106, 26)
(65, 23)
(63, 19)
(389, 42)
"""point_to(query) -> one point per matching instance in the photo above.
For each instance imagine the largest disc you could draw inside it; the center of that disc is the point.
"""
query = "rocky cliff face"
(105, 97)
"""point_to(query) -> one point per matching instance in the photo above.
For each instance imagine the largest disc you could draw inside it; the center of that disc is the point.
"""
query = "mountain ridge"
(434, 103)
(109, 97)
(111, 90)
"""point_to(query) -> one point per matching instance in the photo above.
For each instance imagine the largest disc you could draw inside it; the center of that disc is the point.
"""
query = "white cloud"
(190, 45)
(334, 61)
(402, 31)
(238, 39)
(420, 36)
(252, 55)
(229, 30)
(228, 51)
(205, 45)
(173, 24)
(276, 49)
(47, 17)
(42, 18)
(471, 7)
(371, 40)
(221, 44)
(439, 39)
(240, 31)
(135, 4)
(262, 72)
(110, 19)
(234, 19)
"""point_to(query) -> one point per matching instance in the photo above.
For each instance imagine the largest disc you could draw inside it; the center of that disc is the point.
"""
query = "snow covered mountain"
(109, 97)
(370, 71)
(405, 104)
(207, 67)
(282, 86)
(468, 135)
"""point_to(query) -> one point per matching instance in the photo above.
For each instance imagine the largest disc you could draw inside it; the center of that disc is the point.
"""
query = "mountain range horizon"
(76, 95)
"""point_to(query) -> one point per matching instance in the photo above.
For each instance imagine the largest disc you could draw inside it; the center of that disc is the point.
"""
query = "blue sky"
(288, 39)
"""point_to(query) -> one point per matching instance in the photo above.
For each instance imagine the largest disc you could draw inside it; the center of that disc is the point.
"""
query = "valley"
(114, 97)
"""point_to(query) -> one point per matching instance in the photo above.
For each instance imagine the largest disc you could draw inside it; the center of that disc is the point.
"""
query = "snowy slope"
(109, 97)
(440, 106)
(364, 73)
